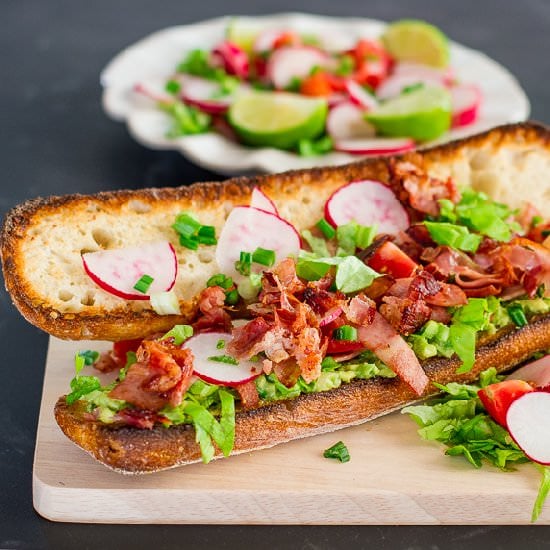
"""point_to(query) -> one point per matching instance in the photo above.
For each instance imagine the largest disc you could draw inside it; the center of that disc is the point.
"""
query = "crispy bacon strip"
(248, 394)
(213, 314)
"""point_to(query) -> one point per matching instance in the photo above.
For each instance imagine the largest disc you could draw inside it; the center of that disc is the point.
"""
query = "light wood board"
(393, 477)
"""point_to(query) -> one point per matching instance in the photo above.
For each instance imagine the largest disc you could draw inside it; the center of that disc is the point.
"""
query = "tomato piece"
(343, 346)
(498, 397)
(316, 85)
(287, 38)
(120, 349)
(372, 63)
(389, 258)
(539, 233)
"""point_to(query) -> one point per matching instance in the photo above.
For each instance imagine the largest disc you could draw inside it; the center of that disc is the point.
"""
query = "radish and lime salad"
(279, 88)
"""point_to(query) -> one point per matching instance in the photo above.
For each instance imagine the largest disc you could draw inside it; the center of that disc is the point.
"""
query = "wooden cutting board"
(393, 477)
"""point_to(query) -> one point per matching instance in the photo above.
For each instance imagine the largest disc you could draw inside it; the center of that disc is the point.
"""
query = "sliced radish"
(206, 345)
(367, 202)
(202, 93)
(536, 373)
(347, 121)
(293, 62)
(336, 98)
(265, 41)
(527, 421)
(331, 315)
(360, 96)
(377, 146)
(153, 93)
(466, 101)
(232, 58)
(446, 76)
(261, 201)
(394, 85)
(118, 270)
(248, 228)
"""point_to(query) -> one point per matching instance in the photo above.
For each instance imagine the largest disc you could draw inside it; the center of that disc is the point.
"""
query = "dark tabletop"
(55, 139)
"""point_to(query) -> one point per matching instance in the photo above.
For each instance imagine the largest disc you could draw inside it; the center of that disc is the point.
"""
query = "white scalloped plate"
(155, 57)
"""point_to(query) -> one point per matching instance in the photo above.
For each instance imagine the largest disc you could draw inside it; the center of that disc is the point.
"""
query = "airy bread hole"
(88, 299)
(86, 250)
(205, 256)
(102, 237)
(65, 295)
(139, 207)
(480, 160)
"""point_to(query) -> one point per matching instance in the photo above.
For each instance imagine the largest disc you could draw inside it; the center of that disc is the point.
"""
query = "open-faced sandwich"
(259, 310)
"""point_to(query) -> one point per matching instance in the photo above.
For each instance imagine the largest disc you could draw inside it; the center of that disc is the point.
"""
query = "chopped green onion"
(263, 256)
(90, 356)
(541, 289)
(220, 344)
(346, 65)
(345, 332)
(143, 284)
(231, 297)
(165, 303)
(517, 315)
(220, 280)
(545, 233)
(365, 235)
(192, 232)
(326, 229)
(207, 234)
(536, 220)
(338, 451)
(223, 359)
(179, 333)
(242, 265)
(173, 87)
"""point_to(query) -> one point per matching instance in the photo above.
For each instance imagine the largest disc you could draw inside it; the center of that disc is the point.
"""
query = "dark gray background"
(54, 139)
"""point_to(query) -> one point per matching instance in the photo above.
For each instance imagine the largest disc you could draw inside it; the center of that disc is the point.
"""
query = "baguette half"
(42, 240)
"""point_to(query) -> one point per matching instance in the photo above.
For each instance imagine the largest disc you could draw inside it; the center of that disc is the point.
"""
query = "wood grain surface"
(393, 477)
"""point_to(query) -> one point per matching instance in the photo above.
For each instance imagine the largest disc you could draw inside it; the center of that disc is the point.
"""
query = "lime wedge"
(277, 119)
(242, 33)
(417, 42)
(423, 114)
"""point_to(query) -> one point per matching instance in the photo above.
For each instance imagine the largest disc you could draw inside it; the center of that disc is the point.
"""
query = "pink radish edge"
(375, 146)
(346, 121)
(466, 102)
(233, 58)
(286, 63)
(261, 201)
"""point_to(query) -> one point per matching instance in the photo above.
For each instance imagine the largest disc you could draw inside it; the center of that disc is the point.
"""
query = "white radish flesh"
(248, 228)
(347, 121)
(336, 98)
(446, 76)
(536, 373)
(466, 102)
(261, 201)
(118, 270)
(209, 344)
(291, 62)
(265, 41)
(527, 421)
(360, 96)
(379, 146)
(367, 202)
(201, 93)
(394, 85)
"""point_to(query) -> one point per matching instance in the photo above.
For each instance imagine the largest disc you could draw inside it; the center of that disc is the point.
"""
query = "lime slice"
(417, 42)
(277, 119)
(242, 33)
(423, 114)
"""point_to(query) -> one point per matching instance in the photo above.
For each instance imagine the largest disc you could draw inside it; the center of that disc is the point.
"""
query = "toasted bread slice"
(42, 240)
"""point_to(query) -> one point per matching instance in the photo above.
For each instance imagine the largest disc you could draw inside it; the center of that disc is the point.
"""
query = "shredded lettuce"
(455, 236)
(186, 120)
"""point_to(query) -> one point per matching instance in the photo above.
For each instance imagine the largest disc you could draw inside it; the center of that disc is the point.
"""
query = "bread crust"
(122, 321)
(134, 451)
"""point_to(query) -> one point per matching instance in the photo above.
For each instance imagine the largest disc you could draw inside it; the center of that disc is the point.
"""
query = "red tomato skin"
(121, 348)
(343, 346)
(389, 258)
(497, 398)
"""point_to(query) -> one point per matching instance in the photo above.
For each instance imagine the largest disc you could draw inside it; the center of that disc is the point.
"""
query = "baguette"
(43, 273)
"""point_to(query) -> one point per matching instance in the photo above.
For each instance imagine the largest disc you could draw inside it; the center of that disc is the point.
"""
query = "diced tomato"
(498, 397)
(343, 346)
(287, 38)
(316, 85)
(120, 349)
(389, 258)
(372, 63)
(539, 233)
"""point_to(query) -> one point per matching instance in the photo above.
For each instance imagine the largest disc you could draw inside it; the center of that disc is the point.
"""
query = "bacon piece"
(106, 363)
(213, 315)
(308, 353)
(380, 338)
(405, 315)
(449, 295)
(360, 310)
(248, 394)
(142, 419)
(287, 372)
(441, 315)
(247, 337)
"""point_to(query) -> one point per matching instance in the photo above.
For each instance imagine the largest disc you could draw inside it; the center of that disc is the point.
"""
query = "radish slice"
(360, 96)
(536, 373)
(446, 76)
(527, 421)
(367, 202)
(207, 344)
(232, 58)
(248, 228)
(200, 93)
(153, 93)
(118, 270)
(261, 201)
(346, 121)
(380, 146)
(293, 62)
(265, 41)
(331, 315)
(394, 85)
(466, 101)
(336, 98)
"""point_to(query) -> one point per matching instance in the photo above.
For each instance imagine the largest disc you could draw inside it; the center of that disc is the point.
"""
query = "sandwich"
(255, 311)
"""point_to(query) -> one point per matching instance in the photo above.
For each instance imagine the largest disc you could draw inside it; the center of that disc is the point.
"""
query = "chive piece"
(326, 229)
(231, 297)
(223, 359)
(143, 284)
(220, 344)
(192, 232)
(536, 220)
(338, 451)
(263, 256)
(179, 333)
(541, 289)
(517, 315)
(90, 356)
(242, 265)
(345, 332)
(220, 280)
(545, 233)
(173, 87)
